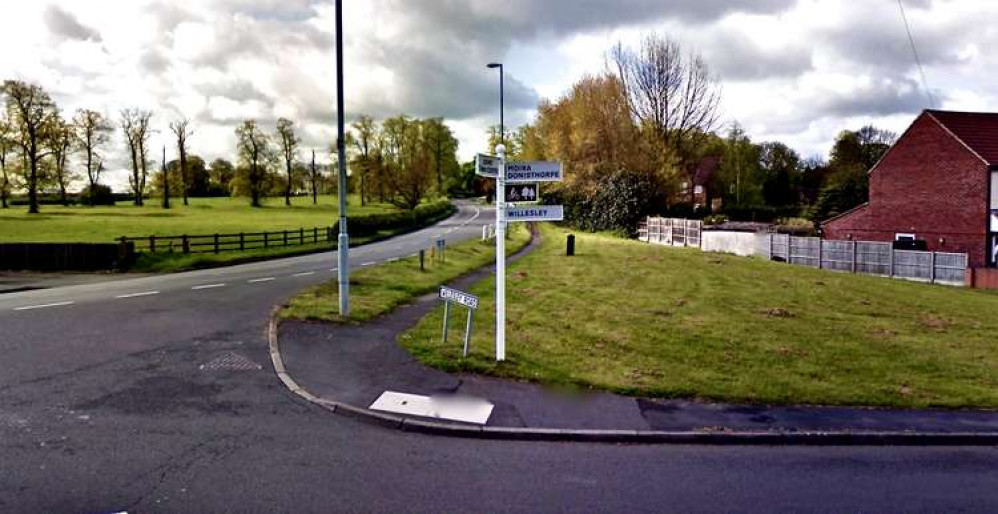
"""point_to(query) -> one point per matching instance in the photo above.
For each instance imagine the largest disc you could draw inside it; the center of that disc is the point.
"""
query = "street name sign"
(487, 165)
(522, 193)
(536, 213)
(459, 297)
(528, 172)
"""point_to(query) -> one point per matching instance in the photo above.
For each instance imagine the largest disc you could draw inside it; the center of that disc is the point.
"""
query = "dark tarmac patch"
(163, 394)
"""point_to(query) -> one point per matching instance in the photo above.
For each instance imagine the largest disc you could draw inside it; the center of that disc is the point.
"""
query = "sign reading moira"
(526, 172)
(458, 297)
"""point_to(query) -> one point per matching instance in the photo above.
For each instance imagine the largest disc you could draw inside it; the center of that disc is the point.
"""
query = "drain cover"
(231, 361)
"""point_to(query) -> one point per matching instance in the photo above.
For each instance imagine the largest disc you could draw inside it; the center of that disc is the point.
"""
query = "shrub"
(102, 196)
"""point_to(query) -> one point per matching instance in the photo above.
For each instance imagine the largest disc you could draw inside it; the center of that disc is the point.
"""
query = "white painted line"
(468, 410)
(45, 306)
(393, 259)
(208, 286)
(137, 295)
(304, 274)
(366, 264)
(334, 270)
(258, 280)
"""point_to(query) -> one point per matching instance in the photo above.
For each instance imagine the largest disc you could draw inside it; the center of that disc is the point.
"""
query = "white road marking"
(208, 286)
(334, 270)
(258, 280)
(393, 259)
(304, 274)
(45, 306)
(138, 295)
(366, 264)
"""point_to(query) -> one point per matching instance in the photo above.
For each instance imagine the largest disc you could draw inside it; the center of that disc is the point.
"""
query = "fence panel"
(950, 268)
(671, 232)
(838, 255)
(805, 251)
(912, 265)
(873, 258)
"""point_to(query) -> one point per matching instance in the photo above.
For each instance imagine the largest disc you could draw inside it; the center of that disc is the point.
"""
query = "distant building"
(702, 198)
(937, 187)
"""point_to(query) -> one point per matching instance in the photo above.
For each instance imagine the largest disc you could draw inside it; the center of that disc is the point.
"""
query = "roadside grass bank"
(652, 321)
(364, 229)
(378, 290)
(203, 216)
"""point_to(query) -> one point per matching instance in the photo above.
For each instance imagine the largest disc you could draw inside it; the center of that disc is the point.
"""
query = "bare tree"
(365, 139)
(29, 108)
(674, 95)
(289, 142)
(314, 177)
(181, 129)
(59, 141)
(166, 181)
(7, 146)
(92, 131)
(255, 156)
(135, 125)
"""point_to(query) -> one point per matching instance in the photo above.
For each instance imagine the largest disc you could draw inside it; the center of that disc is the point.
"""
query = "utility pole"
(343, 247)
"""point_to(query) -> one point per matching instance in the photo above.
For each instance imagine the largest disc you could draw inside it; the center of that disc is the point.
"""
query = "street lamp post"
(343, 247)
(501, 229)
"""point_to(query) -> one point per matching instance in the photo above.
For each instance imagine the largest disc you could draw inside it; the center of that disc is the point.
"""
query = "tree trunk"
(287, 190)
(183, 174)
(33, 180)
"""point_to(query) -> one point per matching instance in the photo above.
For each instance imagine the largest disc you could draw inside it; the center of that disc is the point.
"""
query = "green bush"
(102, 196)
(424, 214)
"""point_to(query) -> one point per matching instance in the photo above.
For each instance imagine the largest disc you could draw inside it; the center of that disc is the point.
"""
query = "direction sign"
(527, 172)
(461, 298)
(536, 213)
(487, 165)
(521, 193)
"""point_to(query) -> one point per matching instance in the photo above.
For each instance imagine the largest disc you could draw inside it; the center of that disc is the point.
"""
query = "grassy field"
(380, 289)
(203, 216)
(677, 323)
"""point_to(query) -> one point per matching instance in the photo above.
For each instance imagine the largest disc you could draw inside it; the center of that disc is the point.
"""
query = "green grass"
(380, 289)
(653, 321)
(202, 216)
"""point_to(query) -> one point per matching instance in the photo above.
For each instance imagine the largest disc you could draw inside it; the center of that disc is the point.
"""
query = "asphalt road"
(166, 402)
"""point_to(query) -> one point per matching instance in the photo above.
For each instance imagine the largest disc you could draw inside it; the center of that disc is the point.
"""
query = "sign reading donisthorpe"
(459, 297)
(528, 172)
(536, 213)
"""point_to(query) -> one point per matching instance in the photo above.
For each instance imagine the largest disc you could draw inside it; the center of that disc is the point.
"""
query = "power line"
(918, 61)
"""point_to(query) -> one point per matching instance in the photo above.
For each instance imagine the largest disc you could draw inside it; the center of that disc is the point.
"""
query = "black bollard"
(571, 245)
(422, 260)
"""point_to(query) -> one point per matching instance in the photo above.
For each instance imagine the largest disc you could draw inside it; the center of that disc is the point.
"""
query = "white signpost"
(514, 173)
(470, 301)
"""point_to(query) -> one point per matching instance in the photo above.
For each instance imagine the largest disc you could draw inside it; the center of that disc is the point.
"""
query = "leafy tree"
(408, 161)
(443, 149)
(220, 174)
(255, 159)
(365, 139)
(853, 156)
(135, 126)
(779, 165)
(92, 130)
(7, 148)
(59, 141)
(29, 110)
(181, 131)
(288, 142)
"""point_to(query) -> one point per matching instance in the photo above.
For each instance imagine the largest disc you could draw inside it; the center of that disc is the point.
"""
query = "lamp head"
(494, 65)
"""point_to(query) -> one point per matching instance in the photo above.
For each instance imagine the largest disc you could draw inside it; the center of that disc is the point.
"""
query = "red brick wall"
(929, 185)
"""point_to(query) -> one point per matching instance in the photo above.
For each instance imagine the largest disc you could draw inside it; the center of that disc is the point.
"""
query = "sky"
(797, 71)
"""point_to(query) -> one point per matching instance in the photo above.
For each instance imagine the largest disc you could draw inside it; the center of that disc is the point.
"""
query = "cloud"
(64, 24)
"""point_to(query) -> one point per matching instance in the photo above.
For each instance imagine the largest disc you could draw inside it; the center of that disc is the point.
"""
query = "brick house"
(937, 184)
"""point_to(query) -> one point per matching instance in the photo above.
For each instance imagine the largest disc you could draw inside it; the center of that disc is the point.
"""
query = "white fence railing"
(869, 258)
(671, 232)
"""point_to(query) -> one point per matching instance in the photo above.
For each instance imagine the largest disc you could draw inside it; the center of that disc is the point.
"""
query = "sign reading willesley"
(461, 298)
(487, 165)
(529, 172)
(536, 213)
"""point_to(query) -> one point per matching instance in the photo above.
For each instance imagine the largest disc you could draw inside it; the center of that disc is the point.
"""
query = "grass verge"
(380, 289)
(661, 322)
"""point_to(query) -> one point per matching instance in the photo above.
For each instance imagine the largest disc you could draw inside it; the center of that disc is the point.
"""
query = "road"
(156, 395)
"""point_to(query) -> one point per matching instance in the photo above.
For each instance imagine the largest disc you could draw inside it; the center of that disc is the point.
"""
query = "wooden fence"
(870, 258)
(671, 232)
(243, 241)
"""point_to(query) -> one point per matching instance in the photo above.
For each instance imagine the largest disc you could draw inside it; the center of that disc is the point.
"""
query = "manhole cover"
(231, 361)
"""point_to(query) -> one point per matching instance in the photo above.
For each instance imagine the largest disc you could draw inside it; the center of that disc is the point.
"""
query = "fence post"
(932, 272)
(152, 244)
(216, 243)
(821, 253)
(315, 234)
(185, 244)
(854, 257)
(285, 238)
(890, 268)
(266, 240)
(242, 241)
(301, 236)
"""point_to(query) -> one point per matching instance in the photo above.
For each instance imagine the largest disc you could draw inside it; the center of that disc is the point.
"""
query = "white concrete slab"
(464, 409)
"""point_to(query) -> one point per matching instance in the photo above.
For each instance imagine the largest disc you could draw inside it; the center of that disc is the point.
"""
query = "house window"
(904, 237)
(698, 190)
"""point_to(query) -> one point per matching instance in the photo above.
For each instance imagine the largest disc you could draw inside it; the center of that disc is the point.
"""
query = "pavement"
(348, 367)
